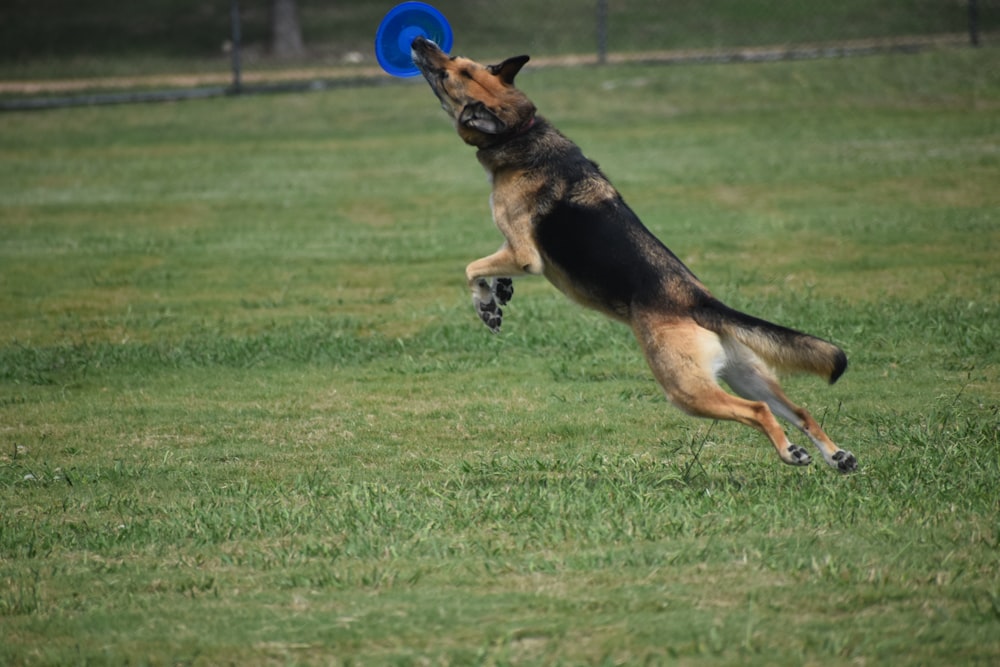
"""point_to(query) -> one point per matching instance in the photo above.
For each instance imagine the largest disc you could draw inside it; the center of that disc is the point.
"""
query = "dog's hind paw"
(843, 461)
(797, 456)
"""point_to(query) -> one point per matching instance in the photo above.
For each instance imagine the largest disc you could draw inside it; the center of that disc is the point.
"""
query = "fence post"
(974, 22)
(602, 31)
(234, 21)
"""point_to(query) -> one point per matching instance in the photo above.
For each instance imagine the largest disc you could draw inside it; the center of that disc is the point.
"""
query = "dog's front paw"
(503, 288)
(491, 314)
(485, 302)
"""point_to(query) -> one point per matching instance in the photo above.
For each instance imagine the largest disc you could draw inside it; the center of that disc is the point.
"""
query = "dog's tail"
(783, 348)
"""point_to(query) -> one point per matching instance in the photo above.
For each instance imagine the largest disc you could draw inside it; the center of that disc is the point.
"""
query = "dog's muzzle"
(422, 52)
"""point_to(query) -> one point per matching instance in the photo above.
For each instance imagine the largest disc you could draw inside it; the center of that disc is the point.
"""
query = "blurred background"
(42, 39)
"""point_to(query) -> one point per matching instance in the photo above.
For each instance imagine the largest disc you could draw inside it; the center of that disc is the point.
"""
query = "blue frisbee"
(403, 24)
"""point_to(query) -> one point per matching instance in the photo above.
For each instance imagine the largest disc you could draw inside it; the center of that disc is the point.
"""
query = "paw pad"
(503, 288)
(488, 296)
(845, 461)
(491, 314)
(798, 456)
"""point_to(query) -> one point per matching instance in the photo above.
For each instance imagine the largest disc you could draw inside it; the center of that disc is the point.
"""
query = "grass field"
(248, 416)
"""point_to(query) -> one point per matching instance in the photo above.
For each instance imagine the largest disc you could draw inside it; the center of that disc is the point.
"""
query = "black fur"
(605, 248)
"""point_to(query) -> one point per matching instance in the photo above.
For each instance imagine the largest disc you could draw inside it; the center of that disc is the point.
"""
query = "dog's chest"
(514, 207)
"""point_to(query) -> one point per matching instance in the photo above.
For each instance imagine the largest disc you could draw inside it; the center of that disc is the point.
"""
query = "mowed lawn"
(248, 415)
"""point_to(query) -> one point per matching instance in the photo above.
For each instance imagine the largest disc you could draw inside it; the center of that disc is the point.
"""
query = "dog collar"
(520, 131)
(502, 139)
(524, 128)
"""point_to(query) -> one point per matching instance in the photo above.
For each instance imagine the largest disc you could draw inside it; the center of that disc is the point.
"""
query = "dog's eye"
(443, 74)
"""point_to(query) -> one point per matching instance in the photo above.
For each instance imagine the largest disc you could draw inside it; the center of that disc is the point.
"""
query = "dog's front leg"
(487, 297)
(490, 279)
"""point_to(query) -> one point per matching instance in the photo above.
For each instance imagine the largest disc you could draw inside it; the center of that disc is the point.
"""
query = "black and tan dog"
(563, 219)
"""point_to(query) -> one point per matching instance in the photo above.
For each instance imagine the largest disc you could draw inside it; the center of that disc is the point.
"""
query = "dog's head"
(481, 99)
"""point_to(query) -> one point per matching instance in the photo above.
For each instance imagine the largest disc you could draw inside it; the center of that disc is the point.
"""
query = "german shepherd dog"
(562, 218)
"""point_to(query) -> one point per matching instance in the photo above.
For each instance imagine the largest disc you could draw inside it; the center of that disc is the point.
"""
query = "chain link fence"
(103, 39)
(604, 27)
(337, 29)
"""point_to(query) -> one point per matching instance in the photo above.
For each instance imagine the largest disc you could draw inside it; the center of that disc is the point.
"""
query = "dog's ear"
(478, 117)
(508, 69)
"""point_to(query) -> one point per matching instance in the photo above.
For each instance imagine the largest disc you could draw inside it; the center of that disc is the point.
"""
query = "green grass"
(248, 416)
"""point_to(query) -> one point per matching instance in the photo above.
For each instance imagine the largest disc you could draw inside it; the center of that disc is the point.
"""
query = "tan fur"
(562, 218)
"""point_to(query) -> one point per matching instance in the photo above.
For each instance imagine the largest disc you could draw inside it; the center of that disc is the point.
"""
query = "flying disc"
(403, 24)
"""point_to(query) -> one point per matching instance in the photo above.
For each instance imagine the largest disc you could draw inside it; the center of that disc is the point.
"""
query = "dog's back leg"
(749, 377)
(686, 359)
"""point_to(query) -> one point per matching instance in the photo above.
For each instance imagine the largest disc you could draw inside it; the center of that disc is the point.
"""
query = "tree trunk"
(286, 33)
